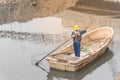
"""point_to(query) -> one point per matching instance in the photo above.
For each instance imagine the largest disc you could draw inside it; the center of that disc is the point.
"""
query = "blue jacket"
(77, 38)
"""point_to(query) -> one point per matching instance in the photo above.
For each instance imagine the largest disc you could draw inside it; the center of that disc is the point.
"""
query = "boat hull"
(65, 62)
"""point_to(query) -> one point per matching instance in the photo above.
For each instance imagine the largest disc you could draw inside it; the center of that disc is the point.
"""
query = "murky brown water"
(22, 43)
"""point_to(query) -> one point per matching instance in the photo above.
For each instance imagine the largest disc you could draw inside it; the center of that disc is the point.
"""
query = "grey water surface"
(21, 44)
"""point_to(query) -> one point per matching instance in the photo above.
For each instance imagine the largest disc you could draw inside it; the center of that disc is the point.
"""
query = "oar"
(52, 52)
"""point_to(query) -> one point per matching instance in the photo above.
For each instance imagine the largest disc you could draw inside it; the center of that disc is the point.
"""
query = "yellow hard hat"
(76, 27)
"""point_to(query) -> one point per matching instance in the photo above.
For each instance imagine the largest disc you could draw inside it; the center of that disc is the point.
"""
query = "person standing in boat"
(77, 36)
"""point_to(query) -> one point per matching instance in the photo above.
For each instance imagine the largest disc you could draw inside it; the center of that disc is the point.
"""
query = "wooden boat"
(96, 41)
(79, 75)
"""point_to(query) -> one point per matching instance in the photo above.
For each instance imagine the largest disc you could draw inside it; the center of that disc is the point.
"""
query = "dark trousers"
(76, 46)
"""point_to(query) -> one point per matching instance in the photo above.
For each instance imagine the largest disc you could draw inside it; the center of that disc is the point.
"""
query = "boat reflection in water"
(83, 72)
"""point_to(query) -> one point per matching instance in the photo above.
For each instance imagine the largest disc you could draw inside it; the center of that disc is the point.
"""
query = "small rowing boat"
(96, 42)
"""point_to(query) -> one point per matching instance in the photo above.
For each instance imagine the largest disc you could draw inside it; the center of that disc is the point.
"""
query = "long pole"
(52, 52)
(55, 49)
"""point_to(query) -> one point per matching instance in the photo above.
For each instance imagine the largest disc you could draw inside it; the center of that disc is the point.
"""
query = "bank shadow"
(98, 7)
(84, 71)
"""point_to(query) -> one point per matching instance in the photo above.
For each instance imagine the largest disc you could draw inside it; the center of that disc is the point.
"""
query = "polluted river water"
(23, 43)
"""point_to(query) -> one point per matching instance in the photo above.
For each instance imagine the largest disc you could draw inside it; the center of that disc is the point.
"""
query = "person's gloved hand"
(78, 34)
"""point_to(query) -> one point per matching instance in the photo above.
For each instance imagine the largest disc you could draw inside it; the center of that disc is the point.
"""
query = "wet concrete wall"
(92, 21)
